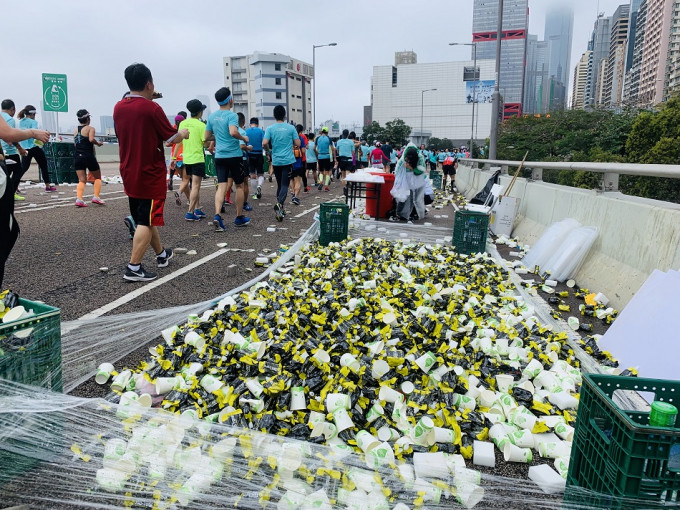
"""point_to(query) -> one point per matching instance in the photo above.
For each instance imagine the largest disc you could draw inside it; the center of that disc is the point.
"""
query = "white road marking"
(149, 286)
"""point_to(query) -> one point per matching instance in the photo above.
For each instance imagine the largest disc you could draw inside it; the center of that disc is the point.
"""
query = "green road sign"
(55, 95)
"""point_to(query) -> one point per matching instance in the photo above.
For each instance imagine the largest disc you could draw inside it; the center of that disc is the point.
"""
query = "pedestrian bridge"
(637, 235)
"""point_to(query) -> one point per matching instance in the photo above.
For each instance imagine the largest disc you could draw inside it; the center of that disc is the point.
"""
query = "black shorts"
(433, 165)
(298, 172)
(449, 169)
(197, 169)
(256, 164)
(147, 212)
(392, 167)
(86, 162)
(325, 165)
(230, 168)
(345, 163)
(311, 166)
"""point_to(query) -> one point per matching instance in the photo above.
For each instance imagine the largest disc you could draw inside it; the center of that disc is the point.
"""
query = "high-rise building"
(107, 125)
(537, 75)
(206, 101)
(631, 89)
(614, 72)
(261, 81)
(673, 79)
(655, 52)
(580, 79)
(513, 46)
(599, 45)
(632, 30)
(559, 28)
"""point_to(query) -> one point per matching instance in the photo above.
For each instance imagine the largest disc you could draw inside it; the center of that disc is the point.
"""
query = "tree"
(397, 132)
(439, 144)
(374, 133)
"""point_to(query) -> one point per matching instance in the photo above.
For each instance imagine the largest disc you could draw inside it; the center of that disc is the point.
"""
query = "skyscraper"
(673, 79)
(655, 52)
(107, 125)
(632, 29)
(631, 89)
(613, 80)
(599, 45)
(513, 47)
(580, 79)
(537, 75)
(559, 28)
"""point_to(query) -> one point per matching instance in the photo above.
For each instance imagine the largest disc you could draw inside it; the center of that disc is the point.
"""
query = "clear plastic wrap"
(572, 252)
(549, 242)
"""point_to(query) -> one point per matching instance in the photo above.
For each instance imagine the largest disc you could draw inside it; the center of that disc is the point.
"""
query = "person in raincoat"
(409, 184)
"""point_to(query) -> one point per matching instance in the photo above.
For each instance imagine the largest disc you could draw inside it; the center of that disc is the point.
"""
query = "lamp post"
(422, 95)
(314, 47)
(496, 98)
(474, 88)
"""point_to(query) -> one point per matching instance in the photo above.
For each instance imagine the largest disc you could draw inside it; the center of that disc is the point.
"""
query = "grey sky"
(183, 43)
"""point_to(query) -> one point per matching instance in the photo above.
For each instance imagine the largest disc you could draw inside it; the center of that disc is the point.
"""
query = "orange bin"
(385, 197)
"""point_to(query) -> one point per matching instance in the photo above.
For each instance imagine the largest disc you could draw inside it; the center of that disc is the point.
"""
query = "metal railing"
(610, 171)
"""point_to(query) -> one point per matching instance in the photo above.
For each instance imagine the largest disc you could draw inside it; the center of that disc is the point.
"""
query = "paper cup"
(297, 398)
(194, 339)
(426, 362)
(444, 435)
(427, 491)
(103, 373)
(533, 368)
(406, 475)
(375, 412)
(335, 401)
(166, 384)
(547, 380)
(522, 417)
(121, 380)
(342, 419)
(111, 480)
(315, 419)
(390, 395)
(522, 438)
(547, 479)
(145, 400)
(191, 369)
(375, 348)
(380, 368)
(224, 449)
(473, 392)
(512, 453)
(290, 501)
(499, 435)
(465, 402)
(469, 494)
(439, 372)
(562, 466)
(114, 449)
(563, 400)
(386, 433)
(423, 432)
(507, 404)
(564, 431)
(503, 382)
(486, 398)
(430, 465)
(407, 387)
(210, 383)
(349, 361)
(553, 449)
(366, 441)
(257, 348)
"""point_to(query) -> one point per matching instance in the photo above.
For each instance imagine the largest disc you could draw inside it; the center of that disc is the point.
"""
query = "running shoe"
(50, 189)
(98, 201)
(320, 187)
(141, 275)
(326, 188)
(191, 217)
(228, 201)
(241, 221)
(259, 192)
(19, 198)
(199, 213)
(270, 178)
(279, 212)
(247, 207)
(131, 225)
(219, 223)
(295, 201)
(79, 203)
(163, 261)
(306, 190)
(178, 198)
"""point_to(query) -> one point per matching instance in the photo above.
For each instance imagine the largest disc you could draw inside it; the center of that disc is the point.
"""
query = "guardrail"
(610, 171)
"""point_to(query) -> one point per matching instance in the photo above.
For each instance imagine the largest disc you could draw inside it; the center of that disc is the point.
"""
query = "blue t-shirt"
(27, 123)
(323, 144)
(298, 161)
(442, 156)
(8, 148)
(365, 149)
(345, 147)
(433, 157)
(311, 155)
(255, 136)
(243, 144)
(281, 136)
(226, 146)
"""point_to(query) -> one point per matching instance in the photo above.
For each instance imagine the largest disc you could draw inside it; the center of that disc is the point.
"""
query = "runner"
(244, 164)
(223, 128)
(27, 121)
(194, 157)
(142, 127)
(85, 159)
(345, 153)
(299, 167)
(176, 161)
(255, 135)
(441, 157)
(377, 157)
(449, 167)
(324, 149)
(433, 161)
(305, 143)
(365, 150)
(311, 158)
(12, 151)
(282, 137)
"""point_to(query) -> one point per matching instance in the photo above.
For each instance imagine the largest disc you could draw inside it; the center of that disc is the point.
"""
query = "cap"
(82, 114)
(378, 144)
(195, 106)
(178, 119)
(324, 129)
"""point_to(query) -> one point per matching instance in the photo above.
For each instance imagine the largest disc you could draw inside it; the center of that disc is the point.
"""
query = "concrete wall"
(636, 235)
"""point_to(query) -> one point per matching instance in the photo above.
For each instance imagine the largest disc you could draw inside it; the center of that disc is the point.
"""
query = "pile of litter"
(409, 354)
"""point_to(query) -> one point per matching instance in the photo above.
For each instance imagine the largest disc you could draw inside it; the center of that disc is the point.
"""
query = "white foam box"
(503, 216)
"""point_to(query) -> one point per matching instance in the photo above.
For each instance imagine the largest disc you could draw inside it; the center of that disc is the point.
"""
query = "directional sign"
(55, 95)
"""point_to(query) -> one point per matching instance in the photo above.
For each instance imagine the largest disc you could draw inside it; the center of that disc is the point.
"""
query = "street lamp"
(314, 47)
(496, 98)
(422, 94)
(474, 87)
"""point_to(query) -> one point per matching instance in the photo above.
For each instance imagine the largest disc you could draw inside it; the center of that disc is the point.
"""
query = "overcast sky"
(183, 43)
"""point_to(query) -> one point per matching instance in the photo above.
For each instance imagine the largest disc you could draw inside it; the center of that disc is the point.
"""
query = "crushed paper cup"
(380, 368)
(348, 360)
(426, 362)
(512, 453)
(547, 479)
(503, 382)
(468, 494)
(195, 340)
(103, 373)
(121, 380)
(210, 383)
(390, 395)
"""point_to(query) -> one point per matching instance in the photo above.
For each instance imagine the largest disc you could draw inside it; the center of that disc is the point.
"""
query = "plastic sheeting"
(549, 243)
(572, 252)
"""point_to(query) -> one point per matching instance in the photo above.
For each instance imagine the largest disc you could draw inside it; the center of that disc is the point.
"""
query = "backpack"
(297, 152)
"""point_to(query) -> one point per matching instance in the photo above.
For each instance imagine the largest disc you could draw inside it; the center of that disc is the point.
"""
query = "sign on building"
(482, 91)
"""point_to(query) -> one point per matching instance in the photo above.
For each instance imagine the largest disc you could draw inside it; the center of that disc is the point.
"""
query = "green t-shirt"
(193, 146)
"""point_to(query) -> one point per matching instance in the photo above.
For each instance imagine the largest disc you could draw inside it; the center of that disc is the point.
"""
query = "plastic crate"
(469, 232)
(36, 358)
(59, 149)
(436, 179)
(617, 454)
(210, 170)
(62, 170)
(334, 222)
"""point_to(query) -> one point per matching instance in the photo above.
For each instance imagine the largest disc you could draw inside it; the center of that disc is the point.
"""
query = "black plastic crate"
(470, 230)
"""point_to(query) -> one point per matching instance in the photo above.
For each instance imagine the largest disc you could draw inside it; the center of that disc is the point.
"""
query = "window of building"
(394, 76)
(277, 67)
(226, 64)
(278, 81)
(278, 95)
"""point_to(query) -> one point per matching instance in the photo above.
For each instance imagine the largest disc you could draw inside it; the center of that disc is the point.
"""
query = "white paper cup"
(430, 465)
(390, 395)
(562, 466)
(469, 494)
(426, 362)
(533, 368)
(473, 392)
(210, 383)
(224, 449)
(349, 361)
(522, 438)
(553, 449)
(428, 491)
(563, 400)
(145, 400)
(380, 368)
(342, 419)
(257, 348)
(290, 501)
(321, 357)
(522, 417)
(194, 339)
(465, 402)
(547, 380)
(111, 480)
(290, 457)
(375, 348)
(315, 419)
(512, 453)
(486, 398)
(121, 380)
(503, 382)
(444, 435)
(336, 401)
(507, 403)
(103, 373)
(564, 431)
(166, 384)
(499, 435)
(297, 398)
(191, 369)
(547, 479)
(407, 387)
(366, 441)
(406, 474)
(423, 432)
(375, 412)
(114, 449)
(386, 433)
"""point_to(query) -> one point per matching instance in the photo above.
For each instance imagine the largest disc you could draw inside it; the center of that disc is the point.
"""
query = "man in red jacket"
(142, 129)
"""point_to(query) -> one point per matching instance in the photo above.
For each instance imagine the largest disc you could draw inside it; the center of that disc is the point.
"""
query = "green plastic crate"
(469, 232)
(35, 359)
(334, 222)
(615, 452)
(62, 170)
(210, 170)
(436, 179)
(59, 149)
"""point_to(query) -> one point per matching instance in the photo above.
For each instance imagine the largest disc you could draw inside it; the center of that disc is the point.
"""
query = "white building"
(261, 81)
(396, 93)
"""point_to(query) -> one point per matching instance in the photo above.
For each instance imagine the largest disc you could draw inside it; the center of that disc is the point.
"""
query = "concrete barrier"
(637, 235)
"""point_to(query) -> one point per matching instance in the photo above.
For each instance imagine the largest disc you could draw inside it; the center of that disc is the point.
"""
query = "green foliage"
(397, 132)
(374, 133)
(439, 144)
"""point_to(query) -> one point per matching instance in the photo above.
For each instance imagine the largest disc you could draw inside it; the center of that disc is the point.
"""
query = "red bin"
(385, 197)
